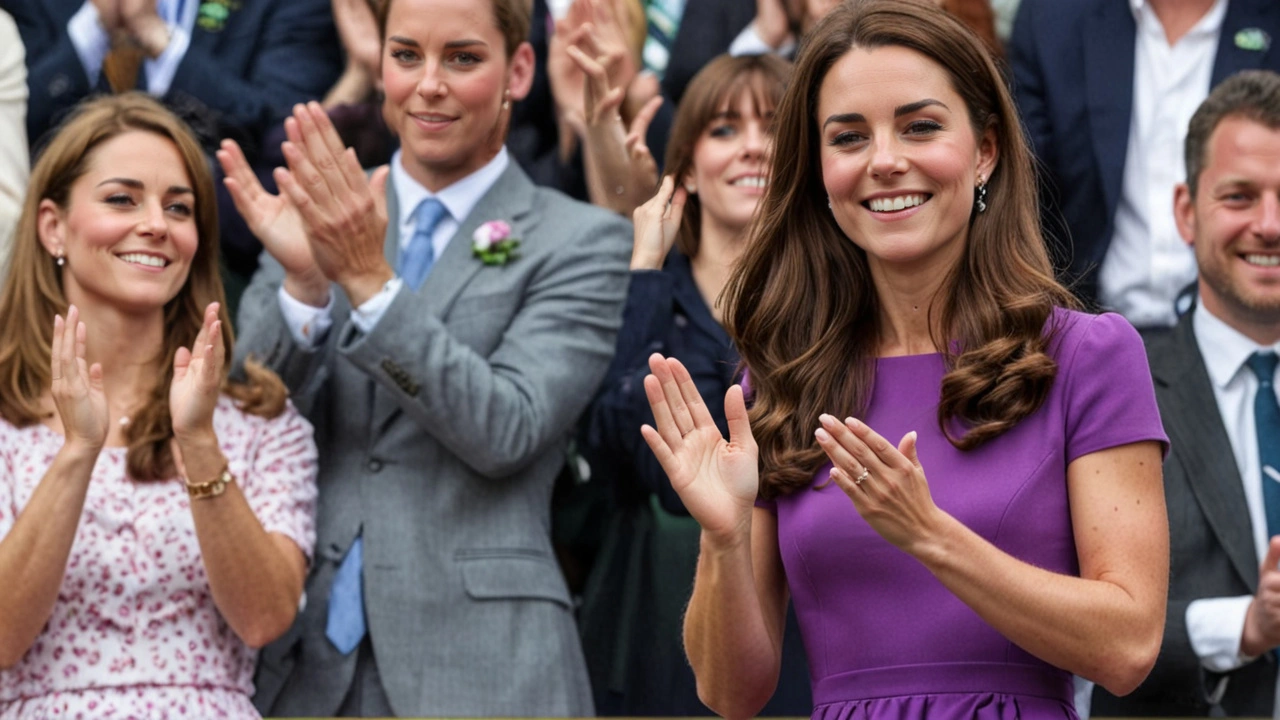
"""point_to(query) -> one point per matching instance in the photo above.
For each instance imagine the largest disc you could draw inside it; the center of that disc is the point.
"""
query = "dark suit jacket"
(234, 80)
(1211, 550)
(1073, 64)
(707, 29)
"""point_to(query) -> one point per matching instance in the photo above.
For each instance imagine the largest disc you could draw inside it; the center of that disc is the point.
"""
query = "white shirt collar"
(1223, 348)
(459, 198)
(1210, 23)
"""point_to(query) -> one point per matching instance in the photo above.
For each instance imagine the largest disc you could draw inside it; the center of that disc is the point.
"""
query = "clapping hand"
(656, 225)
(717, 480)
(886, 483)
(1262, 620)
(358, 30)
(77, 388)
(197, 379)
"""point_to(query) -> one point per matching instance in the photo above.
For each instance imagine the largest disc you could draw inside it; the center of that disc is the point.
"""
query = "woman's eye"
(403, 55)
(722, 131)
(923, 127)
(182, 209)
(466, 58)
(847, 137)
(119, 199)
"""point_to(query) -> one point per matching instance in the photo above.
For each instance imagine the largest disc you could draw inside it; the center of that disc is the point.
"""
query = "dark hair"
(801, 306)
(512, 17)
(1251, 94)
(32, 294)
(722, 82)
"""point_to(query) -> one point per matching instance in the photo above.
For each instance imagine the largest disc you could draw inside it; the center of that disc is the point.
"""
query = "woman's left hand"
(886, 483)
(197, 380)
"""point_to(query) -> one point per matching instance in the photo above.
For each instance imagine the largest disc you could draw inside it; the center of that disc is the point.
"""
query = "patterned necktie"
(345, 626)
(417, 257)
(1266, 414)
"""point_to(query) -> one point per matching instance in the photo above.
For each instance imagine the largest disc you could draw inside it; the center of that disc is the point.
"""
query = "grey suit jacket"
(1211, 543)
(440, 434)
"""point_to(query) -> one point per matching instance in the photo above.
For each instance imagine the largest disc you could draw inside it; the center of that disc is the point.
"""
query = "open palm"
(717, 479)
(273, 219)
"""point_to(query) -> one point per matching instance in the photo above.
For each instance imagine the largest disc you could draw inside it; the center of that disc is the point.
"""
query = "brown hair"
(32, 290)
(722, 82)
(512, 17)
(1251, 95)
(801, 306)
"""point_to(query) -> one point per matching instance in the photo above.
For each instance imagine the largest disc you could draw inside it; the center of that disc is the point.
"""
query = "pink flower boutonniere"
(493, 244)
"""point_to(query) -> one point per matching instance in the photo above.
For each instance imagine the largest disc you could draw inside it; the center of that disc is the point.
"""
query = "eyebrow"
(137, 185)
(897, 112)
(451, 45)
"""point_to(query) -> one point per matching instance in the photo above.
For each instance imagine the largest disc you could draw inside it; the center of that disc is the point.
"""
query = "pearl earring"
(60, 259)
(506, 100)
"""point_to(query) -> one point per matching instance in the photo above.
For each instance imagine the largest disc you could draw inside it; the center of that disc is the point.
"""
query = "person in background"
(1105, 89)
(14, 163)
(1216, 383)
(443, 335)
(631, 613)
(155, 516)
(964, 510)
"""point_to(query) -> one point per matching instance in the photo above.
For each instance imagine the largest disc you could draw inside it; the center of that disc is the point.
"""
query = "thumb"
(181, 360)
(378, 186)
(95, 378)
(907, 446)
(1272, 562)
(735, 411)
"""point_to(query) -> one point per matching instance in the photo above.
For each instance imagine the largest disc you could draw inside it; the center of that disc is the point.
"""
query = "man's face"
(1233, 224)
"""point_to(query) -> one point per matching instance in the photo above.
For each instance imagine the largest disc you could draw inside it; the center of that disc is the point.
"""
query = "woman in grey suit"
(442, 342)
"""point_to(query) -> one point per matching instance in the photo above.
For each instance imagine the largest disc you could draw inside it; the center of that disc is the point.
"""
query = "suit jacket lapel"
(1241, 15)
(1110, 40)
(1191, 415)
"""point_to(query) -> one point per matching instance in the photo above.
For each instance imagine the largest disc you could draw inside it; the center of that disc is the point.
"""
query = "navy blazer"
(1073, 65)
(236, 78)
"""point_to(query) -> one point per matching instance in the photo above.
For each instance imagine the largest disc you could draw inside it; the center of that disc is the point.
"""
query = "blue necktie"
(1266, 414)
(345, 627)
(417, 257)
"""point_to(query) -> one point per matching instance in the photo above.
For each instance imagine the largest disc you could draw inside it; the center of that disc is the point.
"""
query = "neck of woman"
(718, 251)
(911, 305)
(127, 346)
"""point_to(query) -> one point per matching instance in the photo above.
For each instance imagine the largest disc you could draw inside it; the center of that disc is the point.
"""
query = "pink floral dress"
(135, 633)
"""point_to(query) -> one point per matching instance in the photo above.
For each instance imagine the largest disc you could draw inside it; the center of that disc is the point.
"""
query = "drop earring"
(60, 259)
(980, 201)
(506, 100)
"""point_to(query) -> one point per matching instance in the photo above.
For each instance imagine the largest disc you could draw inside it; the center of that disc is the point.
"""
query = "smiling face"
(899, 157)
(730, 171)
(446, 75)
(1233, 224)
(128, 231)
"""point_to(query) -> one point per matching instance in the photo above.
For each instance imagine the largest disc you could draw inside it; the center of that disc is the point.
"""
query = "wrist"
(78, 450)
(361, 288)
(309, 288)
(646, 261)
(773, 31)
(1252, 644)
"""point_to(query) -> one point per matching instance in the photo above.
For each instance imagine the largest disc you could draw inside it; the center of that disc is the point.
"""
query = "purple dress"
(884, 638)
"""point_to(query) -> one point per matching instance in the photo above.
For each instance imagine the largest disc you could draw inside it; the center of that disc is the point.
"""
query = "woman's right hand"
(77, 388)
(717, 480)
(656, 224)
(276, 222)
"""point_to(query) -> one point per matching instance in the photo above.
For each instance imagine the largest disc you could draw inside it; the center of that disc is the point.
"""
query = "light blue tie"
(417, 257)
(345, 627)
(1266, 415)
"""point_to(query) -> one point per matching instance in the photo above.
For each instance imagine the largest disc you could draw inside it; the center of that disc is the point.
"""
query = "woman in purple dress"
(1016, 534)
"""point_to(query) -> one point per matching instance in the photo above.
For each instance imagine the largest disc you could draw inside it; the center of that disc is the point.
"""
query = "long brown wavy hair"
(801, 305)
(32, 290)
(723, 81)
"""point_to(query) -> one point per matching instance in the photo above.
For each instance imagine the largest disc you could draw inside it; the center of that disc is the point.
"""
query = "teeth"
(902, 202)
(143, 259)
(756, 181)
(1263, 260)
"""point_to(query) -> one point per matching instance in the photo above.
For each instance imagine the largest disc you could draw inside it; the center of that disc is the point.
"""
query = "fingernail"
(853, 423)
(822, 435)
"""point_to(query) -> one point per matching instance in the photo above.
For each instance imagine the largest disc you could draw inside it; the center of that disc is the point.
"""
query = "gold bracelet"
(210, 488)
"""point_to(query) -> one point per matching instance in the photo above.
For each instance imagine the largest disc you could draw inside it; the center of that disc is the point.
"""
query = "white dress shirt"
(749, 42)
(14, 164)
(1147, 263)
(309, 325)
(1214, 625)
(92, 43)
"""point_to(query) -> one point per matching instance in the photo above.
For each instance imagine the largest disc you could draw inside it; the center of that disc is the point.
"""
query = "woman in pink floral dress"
(155, 516)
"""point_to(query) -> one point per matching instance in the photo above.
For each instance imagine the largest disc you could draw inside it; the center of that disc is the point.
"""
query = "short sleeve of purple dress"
(885, 639)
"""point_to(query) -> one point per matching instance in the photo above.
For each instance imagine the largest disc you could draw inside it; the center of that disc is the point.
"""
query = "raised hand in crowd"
(329, 221)
(604, 24)
(358, 30)
(137, 20)
(620, 169)
(1262, 622)
(656, 224)
(77, 390)
(717, 479)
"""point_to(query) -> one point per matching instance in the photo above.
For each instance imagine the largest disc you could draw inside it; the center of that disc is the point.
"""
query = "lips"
(432, 121)
(758, 182)
(145, 259)
(1265, 260)
(896, 203)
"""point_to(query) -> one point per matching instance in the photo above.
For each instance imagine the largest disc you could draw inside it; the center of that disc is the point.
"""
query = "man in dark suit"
(229, 68)
(1215, 379)
(1105, 88)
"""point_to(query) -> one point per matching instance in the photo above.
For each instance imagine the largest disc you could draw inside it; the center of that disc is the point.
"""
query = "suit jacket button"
(374, 465)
